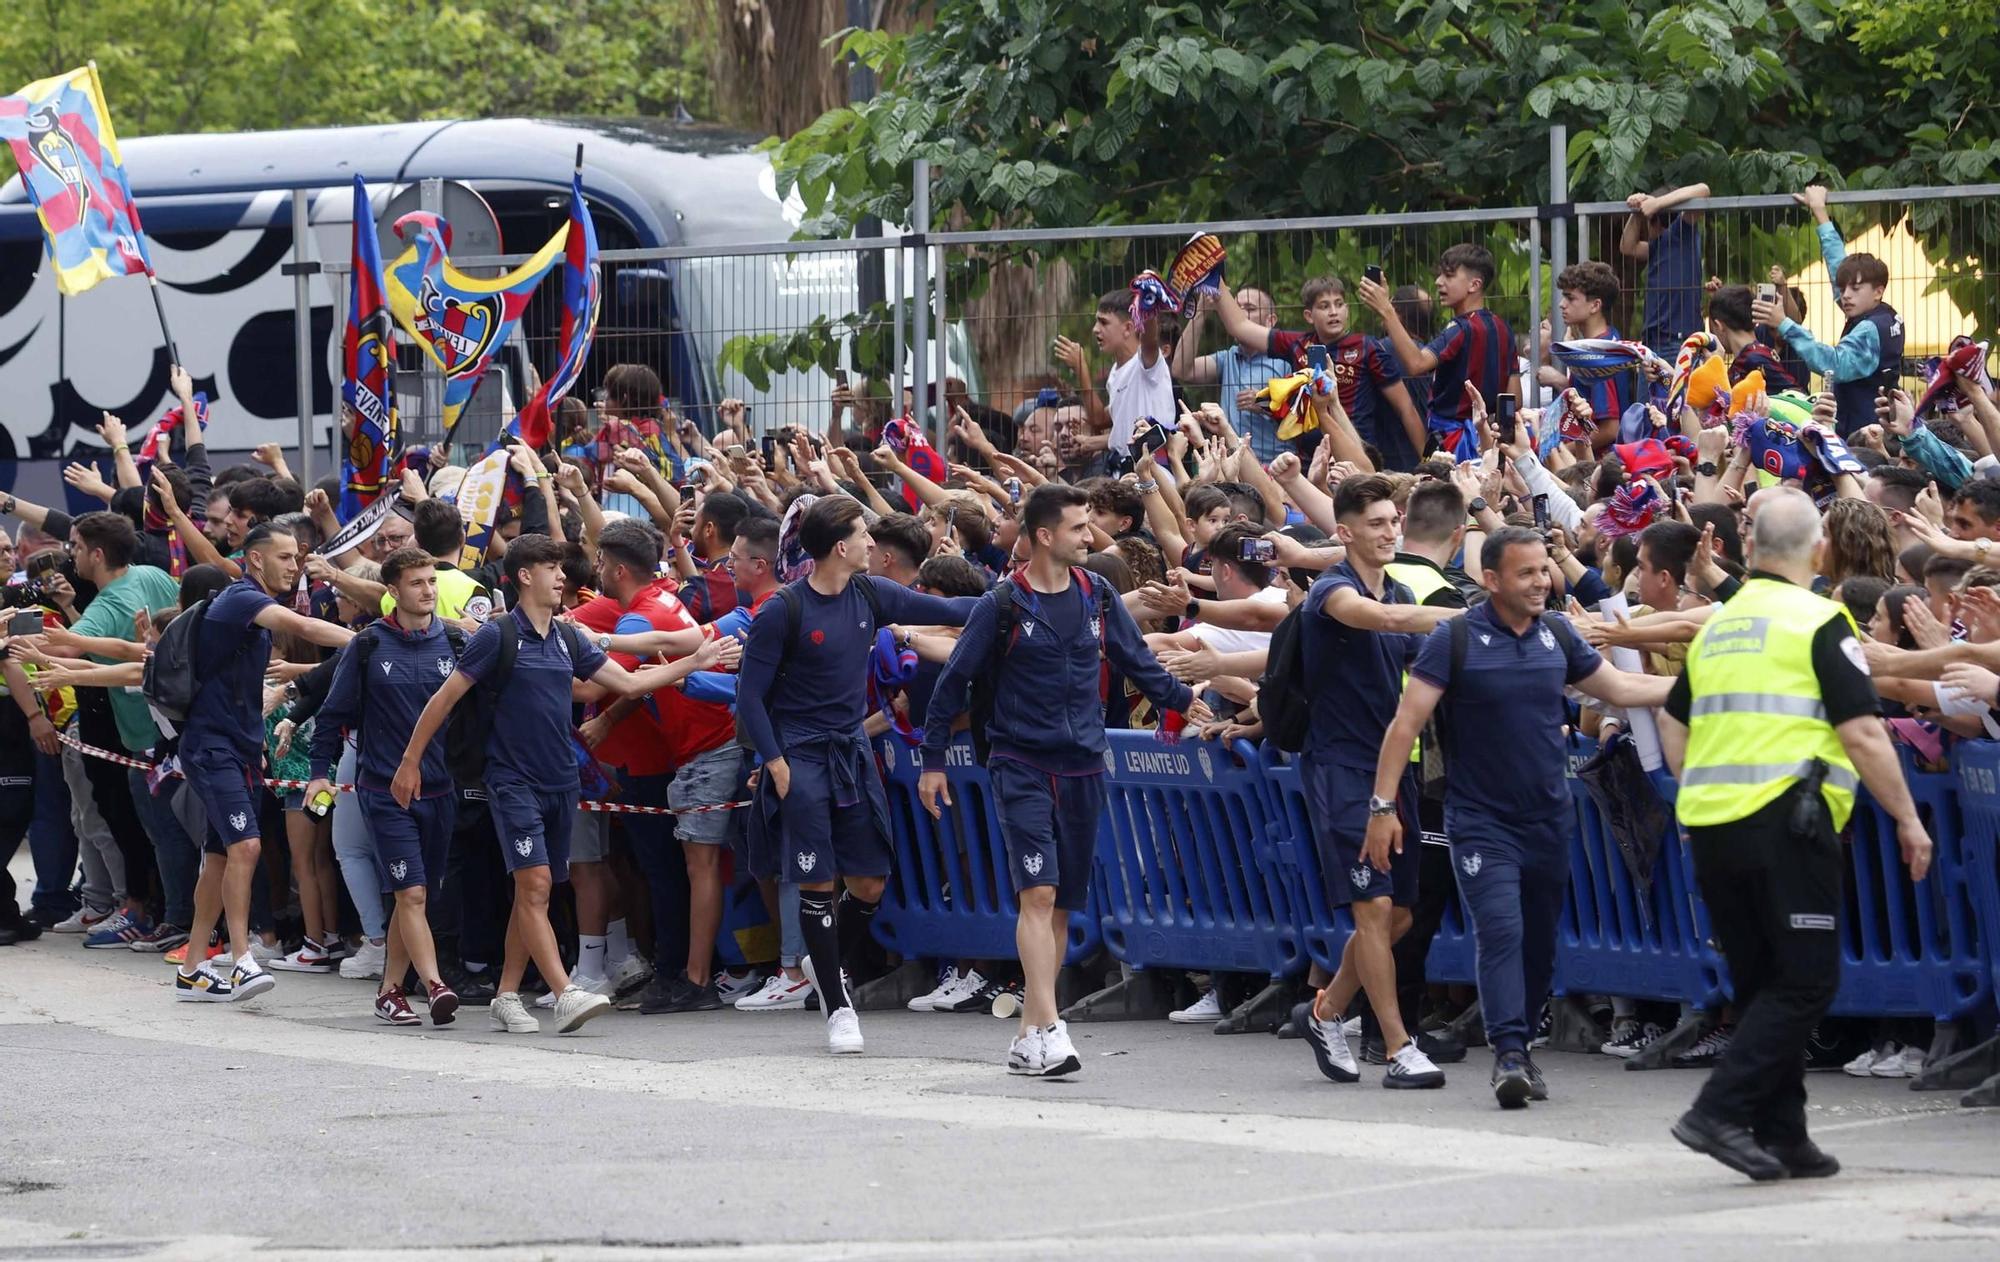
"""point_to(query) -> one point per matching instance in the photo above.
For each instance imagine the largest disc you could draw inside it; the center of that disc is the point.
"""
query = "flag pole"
(153, 287)
(152, 279)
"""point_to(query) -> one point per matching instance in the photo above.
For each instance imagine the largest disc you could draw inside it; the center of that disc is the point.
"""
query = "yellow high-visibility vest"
(1423, 582)
(1757, 720)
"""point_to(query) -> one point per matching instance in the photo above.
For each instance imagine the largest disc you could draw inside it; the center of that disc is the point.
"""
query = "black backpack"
(795, 615)
(1006, 629)
(171, 677)
(1282, 700)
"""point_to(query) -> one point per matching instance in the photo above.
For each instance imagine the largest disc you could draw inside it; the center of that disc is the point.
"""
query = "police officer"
(1769, 726)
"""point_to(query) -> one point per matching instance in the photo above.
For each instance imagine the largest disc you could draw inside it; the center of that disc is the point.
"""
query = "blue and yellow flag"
(368, 384)
(582, 296)
(60, 131)
(461, 321)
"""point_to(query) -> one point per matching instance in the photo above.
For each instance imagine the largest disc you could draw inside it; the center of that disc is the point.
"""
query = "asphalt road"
(296, 1125)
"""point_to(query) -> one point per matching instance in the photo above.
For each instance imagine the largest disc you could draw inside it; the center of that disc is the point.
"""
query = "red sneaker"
(444, 1003)
(390, 1006)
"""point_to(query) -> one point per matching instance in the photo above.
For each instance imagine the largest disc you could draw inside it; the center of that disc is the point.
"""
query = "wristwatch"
(1706, 469)
(1478, 505)
(8, 508)
(1378, 807)
(1981, 547)
(603, 643)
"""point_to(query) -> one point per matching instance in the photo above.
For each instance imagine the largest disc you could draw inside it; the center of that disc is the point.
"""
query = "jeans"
(657, 851)
(52, 841)
(355, 851)
(103, 863)
(1514, 896)
(174, 849)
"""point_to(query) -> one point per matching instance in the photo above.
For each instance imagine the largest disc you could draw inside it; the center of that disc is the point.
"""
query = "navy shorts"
(533, 826)
(1337, 804)
(823, 841)
(1049, 825)
(224, 783)
(410, 846)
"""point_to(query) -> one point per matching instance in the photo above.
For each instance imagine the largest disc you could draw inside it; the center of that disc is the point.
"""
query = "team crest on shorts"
(399, 869)
(524, 846)
(238, 820)
(1359, 875)
(1033, 863)
(1470, 864)
(806, 860)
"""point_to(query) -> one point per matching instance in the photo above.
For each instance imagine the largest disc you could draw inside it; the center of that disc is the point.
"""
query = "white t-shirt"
(1136, 392)
(1228, 640)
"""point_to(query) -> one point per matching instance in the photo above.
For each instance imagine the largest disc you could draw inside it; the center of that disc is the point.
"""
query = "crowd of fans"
(657, 547)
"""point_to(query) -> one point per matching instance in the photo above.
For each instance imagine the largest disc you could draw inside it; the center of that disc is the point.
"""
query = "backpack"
(1282, 699)
(795, 616)
(1006, 631)
(171, 677)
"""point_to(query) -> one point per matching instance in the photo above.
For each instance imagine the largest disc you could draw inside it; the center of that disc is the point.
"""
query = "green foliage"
(1061, 112)
(238, 65)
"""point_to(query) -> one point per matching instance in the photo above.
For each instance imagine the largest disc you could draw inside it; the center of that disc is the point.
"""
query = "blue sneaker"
(118, 933)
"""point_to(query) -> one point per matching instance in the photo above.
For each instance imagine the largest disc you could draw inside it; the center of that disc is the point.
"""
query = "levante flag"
(582, 296)
(461, 321)
(60, 131)
(369, 358)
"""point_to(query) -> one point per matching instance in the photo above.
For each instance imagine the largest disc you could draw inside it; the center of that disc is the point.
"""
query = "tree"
(247, 65)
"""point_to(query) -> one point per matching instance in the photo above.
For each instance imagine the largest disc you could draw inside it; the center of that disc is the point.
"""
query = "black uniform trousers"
(1774, 902)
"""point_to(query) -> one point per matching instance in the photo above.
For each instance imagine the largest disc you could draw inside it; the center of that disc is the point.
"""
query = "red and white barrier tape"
(609, 808)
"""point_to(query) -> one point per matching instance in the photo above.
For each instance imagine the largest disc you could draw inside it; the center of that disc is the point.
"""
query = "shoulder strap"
(1003, 618)
(456, 638)
(1460, 634)
(510, 647)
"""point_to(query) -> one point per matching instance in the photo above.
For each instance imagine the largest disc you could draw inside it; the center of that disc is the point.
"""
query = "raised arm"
(327, 635)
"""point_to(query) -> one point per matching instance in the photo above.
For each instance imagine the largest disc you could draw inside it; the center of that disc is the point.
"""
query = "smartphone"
(320, 804)
(1262, 551)
(1506, 407)
(840, 376)
(1048, 397)
(769, 445)
(1149, 439)
(25, 622)
(1372, 272)
(1767, 292)
(1541, 512)
(1316, 357)
(42, 564)
(1013, 487)
(734, 451)
(951, 521)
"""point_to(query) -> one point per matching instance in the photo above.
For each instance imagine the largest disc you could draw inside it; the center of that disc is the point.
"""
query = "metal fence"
(775, 324)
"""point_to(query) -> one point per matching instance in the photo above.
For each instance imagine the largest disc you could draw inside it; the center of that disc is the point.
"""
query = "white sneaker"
(1058, 1053)
(1206, 1010)
(247, 980)
(632, 974)
(1328, 1041)
(577, 1005)
(577, 981)
(1410, 1068)
(510, 1015)
(82, 920)
(947, 988)
(1907, 1063)
(366, 962)
(843, 1032)
(1863, 1066)
(779, 993)
(729, 987)
(264, 953)
(1025, 1055)
(309, 958)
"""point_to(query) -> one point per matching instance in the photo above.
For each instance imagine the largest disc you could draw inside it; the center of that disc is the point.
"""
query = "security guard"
(1767, 730)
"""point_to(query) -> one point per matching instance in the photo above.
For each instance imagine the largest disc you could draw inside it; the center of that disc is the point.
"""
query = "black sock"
(856, 922)
(823, 946)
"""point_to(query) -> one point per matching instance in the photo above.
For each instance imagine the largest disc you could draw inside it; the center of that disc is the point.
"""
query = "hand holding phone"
(1372, 272)
(1262, 551)
(25, 622)
(1316, 356)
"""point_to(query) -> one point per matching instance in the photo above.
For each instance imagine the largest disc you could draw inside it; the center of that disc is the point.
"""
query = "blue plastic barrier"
(1977, 764)
(1188, 861)
(1614, 941)
(1323, 930)
(949, 897)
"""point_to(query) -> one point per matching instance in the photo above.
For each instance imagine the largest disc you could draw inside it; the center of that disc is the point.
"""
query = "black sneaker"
(1512, 1086)
(473, 989)
(24, 931)
(1730, 1144)
(678, 995)
(1707, 1050)
(1805, 1160)
(1538, 1089)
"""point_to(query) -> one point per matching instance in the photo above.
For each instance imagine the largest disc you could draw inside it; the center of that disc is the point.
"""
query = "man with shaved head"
(1771, 729)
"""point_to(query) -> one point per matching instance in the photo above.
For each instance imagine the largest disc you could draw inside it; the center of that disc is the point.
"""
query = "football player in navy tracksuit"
(1043, 637)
